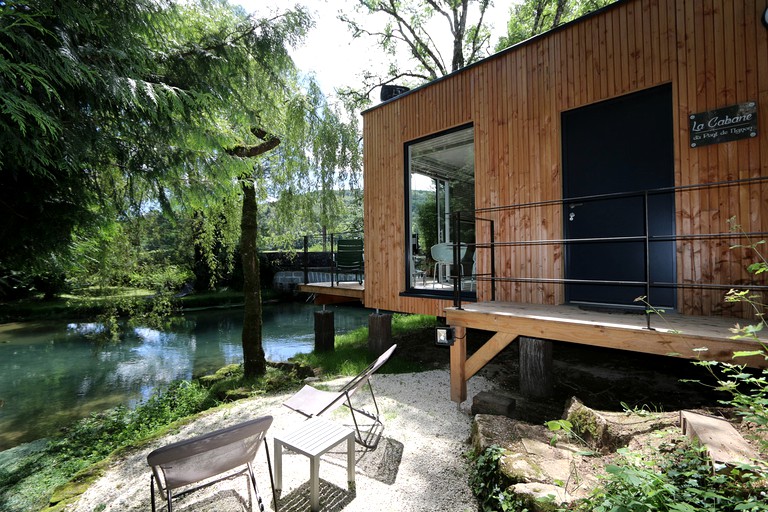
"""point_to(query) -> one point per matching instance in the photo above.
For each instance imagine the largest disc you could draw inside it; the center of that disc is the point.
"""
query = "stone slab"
(723, 442)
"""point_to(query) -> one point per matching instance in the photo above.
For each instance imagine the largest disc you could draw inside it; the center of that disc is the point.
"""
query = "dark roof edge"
(503, 52)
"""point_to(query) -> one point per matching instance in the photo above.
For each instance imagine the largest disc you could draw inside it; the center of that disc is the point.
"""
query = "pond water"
(52, 373)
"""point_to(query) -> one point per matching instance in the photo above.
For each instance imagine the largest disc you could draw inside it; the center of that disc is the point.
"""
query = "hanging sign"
(724, 124)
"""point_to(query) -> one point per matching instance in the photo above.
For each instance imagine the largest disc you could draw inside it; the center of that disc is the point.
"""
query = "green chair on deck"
(348, 259)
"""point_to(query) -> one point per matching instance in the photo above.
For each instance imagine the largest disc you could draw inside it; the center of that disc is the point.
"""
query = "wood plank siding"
(712, 53)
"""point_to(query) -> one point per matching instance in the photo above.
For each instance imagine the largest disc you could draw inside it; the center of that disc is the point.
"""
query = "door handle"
(573, 206)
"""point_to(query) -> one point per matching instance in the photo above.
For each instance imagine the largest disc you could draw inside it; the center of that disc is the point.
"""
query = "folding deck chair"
(194, 460)
(312, 402)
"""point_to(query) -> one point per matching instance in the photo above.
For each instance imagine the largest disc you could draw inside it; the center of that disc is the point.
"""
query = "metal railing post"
(493, 262)
(333, 262)
(457, 270)
(647, 261)
(306, 259)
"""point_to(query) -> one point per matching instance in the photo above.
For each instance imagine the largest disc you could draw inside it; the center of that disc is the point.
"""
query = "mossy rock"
(71, 491)
(608, 431)
(520, 467)
(299, 370)
(59, 507)
(223, 373)
(238, 393)
(538, 497)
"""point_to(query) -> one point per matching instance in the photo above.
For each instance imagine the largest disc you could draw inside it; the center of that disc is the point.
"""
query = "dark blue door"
(622, 146)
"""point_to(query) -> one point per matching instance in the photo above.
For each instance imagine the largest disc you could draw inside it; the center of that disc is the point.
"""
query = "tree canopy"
(109, 110)
(533, 17)
(438, 37)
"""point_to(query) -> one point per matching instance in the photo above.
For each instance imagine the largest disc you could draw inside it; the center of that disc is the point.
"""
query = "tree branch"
(270, 142)
(477, 44)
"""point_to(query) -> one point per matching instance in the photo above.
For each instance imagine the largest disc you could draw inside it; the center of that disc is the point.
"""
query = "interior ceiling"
(449, 157)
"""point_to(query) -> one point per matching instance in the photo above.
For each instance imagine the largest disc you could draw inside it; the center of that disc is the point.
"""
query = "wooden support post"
(379, 333)
(535, 367)
(324, 331)
(458, 366)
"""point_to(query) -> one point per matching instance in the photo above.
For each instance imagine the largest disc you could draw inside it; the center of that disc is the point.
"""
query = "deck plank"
(671, 333)
(351, 290)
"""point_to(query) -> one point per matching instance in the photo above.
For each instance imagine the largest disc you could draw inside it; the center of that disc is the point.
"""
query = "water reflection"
(53, 373)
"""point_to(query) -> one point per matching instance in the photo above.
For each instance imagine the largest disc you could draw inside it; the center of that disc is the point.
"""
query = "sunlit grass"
(351, 355)
(106, 292)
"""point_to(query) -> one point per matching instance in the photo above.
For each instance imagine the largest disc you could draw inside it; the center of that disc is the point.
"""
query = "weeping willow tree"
(307, 150)
(113, 108)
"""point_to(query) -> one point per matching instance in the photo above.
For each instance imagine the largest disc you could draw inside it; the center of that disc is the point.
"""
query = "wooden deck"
(671, 334)
(329, 293)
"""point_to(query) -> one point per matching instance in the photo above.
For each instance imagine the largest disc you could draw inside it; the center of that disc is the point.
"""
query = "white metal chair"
(442, 253)
(313, 402)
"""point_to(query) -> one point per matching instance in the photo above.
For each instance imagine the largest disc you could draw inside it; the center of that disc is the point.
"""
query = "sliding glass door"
(440, 182)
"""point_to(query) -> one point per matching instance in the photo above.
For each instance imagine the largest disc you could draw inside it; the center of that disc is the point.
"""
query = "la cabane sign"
(724, 124)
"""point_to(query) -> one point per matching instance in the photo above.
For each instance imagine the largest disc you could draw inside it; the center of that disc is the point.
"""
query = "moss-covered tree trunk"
(254, 360)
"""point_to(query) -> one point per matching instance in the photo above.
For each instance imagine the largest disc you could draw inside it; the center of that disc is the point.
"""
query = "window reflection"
(441, 174)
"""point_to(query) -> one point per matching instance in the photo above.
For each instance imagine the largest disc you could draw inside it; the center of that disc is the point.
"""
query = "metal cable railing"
(492, 226)
(332, 239)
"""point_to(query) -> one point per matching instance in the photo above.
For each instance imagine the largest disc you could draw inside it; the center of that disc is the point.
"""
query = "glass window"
(441, 182)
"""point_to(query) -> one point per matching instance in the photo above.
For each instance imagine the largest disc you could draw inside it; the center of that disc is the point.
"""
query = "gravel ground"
(419, 464)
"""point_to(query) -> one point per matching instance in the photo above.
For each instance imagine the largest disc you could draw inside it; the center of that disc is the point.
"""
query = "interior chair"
(193, 460)
(311, 401)
(348, 258)
(469, 279)
(442, 253)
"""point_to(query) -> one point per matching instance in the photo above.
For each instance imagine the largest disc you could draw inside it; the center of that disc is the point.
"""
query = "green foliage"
(117, 313)
(163, 279)
(409, 35)
(753, 300)
(92, 439)
(229, 383)
(349, 357)
(681, 480)
(643, 411)
(747, 390)
(557, 426)
(402, 323)
(116, 110)
(533, 17)
(490, 484)
(567, 427)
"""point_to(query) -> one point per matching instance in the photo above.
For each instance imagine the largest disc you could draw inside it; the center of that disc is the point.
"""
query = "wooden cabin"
(542, 190)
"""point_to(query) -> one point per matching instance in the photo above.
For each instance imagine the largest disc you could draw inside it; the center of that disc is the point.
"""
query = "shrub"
(679, 479)
(490, 484)
(93, 438)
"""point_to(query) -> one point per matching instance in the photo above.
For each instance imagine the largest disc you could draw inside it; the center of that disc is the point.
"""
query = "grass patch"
(92, 302)
(351, 356)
